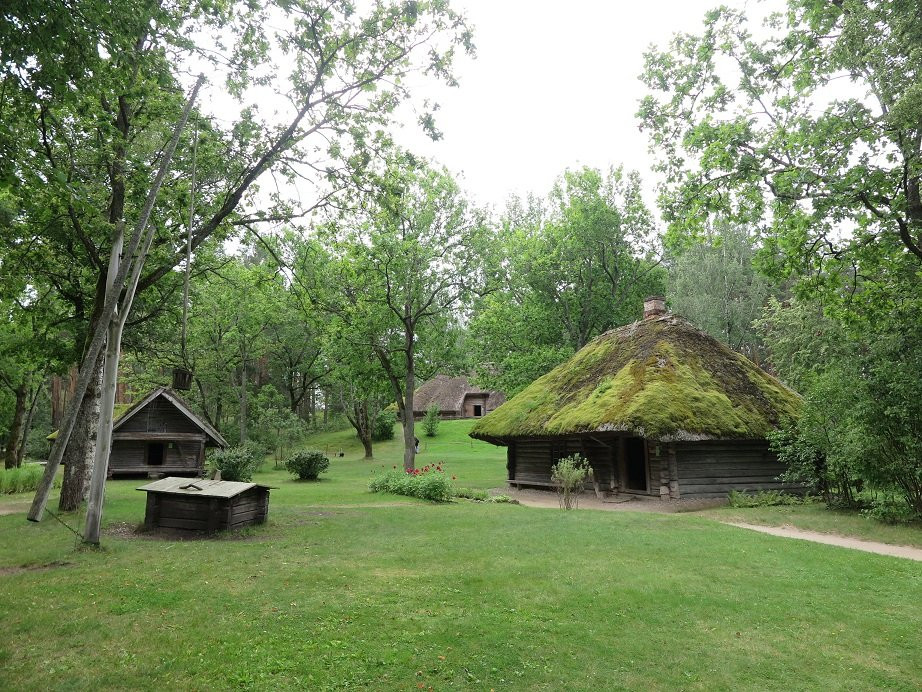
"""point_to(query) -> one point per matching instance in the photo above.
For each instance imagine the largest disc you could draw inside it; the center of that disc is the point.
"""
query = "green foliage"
(569, 473)
(746, 128)
(716, 287)
(383, 428)
(891, 510)
(308, 465)
(763, 498)
(23, 479)
(431, 421)
(568, 268)
(235, 463)
(427, 483)
(860, 426)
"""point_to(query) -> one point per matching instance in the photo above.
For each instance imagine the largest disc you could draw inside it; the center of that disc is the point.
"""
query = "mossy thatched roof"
(660, 378)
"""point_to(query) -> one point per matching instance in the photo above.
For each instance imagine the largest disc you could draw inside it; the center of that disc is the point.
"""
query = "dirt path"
(831, 539)
(14, 507)
(539, 498)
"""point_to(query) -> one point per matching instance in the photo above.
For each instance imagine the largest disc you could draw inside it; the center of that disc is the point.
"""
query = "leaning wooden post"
(114, 339)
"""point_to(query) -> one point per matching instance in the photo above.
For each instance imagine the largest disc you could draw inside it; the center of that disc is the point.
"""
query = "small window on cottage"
(478, 410)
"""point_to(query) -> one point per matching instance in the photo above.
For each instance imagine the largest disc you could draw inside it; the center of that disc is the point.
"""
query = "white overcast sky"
(554, 85)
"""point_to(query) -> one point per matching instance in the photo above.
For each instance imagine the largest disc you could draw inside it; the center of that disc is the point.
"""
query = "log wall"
(130, 457)
(714, 468)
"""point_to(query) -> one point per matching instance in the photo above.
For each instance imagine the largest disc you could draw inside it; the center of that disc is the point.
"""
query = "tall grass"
(22, 480)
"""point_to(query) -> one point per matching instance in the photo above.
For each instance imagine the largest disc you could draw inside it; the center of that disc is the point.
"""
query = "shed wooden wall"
(714, 468)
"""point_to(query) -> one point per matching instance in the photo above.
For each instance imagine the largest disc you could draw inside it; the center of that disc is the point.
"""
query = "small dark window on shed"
(478, 410)
(155, 453)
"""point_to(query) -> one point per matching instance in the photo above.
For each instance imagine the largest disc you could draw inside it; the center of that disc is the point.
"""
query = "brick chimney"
(654, 306)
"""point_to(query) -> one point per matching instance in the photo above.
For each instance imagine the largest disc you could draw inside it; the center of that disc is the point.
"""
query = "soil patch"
(35, 568)
(124, 529)
(14, 507)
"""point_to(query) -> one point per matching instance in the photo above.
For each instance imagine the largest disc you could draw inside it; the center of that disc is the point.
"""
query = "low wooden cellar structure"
(204, 506)
(657, 407)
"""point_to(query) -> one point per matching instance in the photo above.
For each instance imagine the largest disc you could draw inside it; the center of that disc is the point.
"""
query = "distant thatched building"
(455, 397)
(658, 408)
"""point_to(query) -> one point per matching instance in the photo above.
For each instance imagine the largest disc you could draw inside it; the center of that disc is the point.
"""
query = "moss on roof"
(659, 378)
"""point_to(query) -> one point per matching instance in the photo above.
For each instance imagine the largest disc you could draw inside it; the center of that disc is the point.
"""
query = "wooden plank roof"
(199, 487)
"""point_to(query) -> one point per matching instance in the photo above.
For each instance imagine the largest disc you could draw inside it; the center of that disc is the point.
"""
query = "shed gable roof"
(659, 378)
(179, 403)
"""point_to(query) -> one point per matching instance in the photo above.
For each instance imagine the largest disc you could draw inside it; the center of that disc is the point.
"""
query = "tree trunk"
(27, 426)
(12, 443)
(363, 427)
(243, 402)
(81, 448)
(409, 436)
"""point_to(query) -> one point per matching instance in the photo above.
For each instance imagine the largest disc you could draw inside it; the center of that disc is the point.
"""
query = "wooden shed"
(204, 506)
(160, 435)
(456, 397)
(657, 407)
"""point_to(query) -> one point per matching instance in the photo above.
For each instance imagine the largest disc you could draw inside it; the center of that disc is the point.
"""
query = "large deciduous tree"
(400, 270)
(815, 131)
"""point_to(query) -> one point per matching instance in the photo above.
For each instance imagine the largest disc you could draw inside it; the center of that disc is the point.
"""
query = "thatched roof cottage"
(455, 397)
(658, 408)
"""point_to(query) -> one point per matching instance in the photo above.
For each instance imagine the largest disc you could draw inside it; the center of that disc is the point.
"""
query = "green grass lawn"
(343, 588)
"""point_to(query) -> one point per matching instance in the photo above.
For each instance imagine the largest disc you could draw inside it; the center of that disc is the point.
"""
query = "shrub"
(258, 449)
(23, 479)
(890, 510)
(383, 427)
(427, 483)
(569, 473)
(308, 465)
(472, 494)
(504, 499)
(763, 498)
(431, 421)
(235, 463)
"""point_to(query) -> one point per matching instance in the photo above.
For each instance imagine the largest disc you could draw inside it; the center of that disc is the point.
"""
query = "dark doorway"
(155, 453)
(636, 463)
(478, 410)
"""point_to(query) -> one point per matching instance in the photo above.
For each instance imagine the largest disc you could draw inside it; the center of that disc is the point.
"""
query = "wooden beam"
(160, 436)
